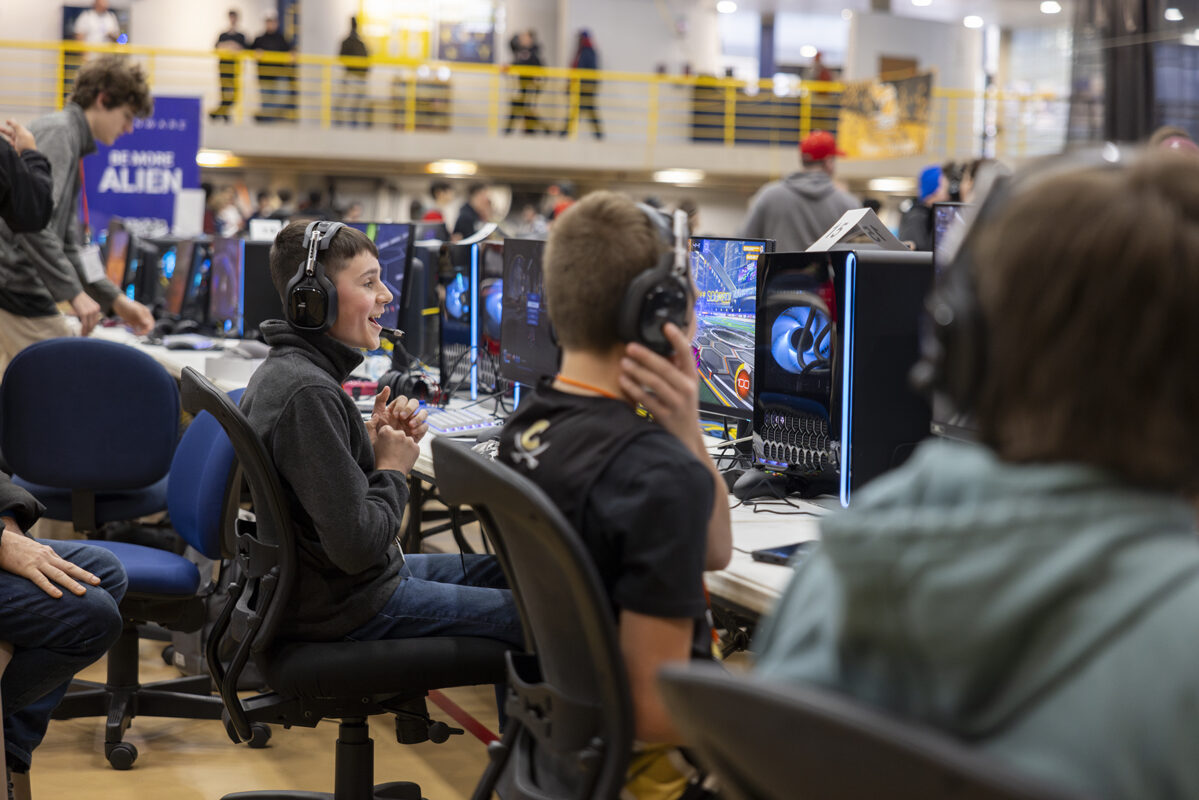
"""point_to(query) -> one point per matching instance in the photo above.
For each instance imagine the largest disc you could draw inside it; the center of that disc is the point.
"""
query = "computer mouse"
(755, 483)
(186, 326)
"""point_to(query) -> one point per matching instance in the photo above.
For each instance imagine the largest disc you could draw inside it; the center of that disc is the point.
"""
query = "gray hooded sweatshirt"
(797, 210)
(1046, 613)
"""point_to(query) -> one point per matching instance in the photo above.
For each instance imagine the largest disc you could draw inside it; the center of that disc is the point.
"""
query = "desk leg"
(411, 539)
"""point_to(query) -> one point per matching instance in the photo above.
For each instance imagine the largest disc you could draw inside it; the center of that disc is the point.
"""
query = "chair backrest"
(765, 740)
(569, 696)
(199, 496)
(265, 552)
(81, 413)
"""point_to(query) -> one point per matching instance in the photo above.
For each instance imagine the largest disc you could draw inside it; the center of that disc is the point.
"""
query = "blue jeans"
(52, 639)
(447, 594)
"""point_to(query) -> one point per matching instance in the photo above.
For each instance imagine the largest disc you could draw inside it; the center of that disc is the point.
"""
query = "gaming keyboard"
(459, 421)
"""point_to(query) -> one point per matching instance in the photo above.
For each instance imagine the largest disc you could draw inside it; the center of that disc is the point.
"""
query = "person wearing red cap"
(798, 209)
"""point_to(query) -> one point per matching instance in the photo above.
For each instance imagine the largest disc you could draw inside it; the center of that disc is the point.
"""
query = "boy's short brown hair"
(595, 250)
(1087, 282)
(118, 79)
(288, 253)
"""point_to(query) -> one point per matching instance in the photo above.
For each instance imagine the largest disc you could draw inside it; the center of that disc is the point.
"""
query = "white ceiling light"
(684, 176)
(451, 166)
(726, 6)
(216, 158)
(898, 185)
(1173, 14)
(922, 2)
(1051, 7)
(973, 21)
(808, 51)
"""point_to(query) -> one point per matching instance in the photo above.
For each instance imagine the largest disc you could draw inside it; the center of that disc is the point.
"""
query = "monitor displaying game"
(174, 271)
(528, 351)
(726, 279)
(195, 295)
(116, 259)
(225, 286)
(394, 242)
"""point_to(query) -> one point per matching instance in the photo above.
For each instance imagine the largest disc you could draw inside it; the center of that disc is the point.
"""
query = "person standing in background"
(39, 270)
(798, 209)
(585, 58)
(97, 25)
(525, 53)
(275, 79)
(230, 42)
(916, 224)
(474, 214)
(354, 109)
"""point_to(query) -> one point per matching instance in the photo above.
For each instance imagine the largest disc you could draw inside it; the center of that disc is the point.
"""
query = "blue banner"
(137, 178)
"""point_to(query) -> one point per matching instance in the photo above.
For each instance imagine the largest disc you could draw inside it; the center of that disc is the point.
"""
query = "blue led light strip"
(474, 321)
(847, 319)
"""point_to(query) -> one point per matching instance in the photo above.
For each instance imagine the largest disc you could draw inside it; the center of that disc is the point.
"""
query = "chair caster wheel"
(122, 755)
(168, 655)
(260, 734)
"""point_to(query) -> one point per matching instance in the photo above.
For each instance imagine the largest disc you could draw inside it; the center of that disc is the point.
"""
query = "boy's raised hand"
(395, 449)
(407, 415)
(667, 387)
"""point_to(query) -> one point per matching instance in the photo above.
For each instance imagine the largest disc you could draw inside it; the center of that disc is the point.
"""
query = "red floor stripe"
(469, 723)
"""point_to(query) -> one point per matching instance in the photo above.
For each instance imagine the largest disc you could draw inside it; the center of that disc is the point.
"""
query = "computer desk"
(746, 588)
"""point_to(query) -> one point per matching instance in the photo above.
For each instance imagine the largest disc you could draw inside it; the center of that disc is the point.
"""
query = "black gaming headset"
(660, 294)
(311, 304)
(953, 339)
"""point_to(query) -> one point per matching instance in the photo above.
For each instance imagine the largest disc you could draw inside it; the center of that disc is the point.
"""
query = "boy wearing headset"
(1035, 594)
(644, 496)
(346, 480)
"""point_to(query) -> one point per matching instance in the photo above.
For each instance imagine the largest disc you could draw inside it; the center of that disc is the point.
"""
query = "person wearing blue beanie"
(916, 224)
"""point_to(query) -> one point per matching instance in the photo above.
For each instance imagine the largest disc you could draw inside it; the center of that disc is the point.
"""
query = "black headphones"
(660, 294)
(311, 304)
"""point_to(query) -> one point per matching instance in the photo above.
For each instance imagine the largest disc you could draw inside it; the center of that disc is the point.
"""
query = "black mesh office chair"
(766, 740)
(570, 719)
(311, 681)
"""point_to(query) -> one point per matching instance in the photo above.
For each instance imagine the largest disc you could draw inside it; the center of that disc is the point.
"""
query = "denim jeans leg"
(447, 595)
(53, 638)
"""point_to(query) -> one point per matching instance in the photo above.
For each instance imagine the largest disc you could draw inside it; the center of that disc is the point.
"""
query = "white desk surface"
(748, 584)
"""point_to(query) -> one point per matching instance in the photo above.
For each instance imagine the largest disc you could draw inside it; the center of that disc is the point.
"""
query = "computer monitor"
(394, 242)
(528, 351)
(430, 231)
(726, 279)
(225, 287)
(836, 338)
(175, 271)
(260, 298)
(946, 217)
(950, 225)
(195, 295)
(116, 257)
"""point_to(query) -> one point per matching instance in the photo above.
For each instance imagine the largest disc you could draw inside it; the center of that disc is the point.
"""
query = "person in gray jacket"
(1035, 594)
(797, 210)
(40, 269)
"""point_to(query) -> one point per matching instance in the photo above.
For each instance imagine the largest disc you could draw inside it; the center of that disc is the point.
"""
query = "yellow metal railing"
(412, 96)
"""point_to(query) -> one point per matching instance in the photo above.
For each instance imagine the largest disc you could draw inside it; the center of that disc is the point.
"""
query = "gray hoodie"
(42, 268)
(1045, 612)
(797, 210)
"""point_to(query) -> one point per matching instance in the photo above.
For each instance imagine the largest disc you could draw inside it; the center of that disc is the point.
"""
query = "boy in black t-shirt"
(644, 496)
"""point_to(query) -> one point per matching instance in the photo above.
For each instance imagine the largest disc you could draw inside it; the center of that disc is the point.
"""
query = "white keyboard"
(459, 421)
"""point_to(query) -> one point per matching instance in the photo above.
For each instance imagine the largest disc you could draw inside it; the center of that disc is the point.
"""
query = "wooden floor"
(195, 760)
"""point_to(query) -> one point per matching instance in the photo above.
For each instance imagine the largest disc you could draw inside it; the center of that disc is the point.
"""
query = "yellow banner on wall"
(886, 119)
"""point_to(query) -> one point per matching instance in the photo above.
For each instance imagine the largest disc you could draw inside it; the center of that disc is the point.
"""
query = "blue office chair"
(169, 590)
(89, 428)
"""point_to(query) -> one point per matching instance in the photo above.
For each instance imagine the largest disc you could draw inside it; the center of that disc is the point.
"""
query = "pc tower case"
(836, 336)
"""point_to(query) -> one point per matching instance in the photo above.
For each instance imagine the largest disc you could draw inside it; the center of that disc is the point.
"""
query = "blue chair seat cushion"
(154, 571)
(111, 506)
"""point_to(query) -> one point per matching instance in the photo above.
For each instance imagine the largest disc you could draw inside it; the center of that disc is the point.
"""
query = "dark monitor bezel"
(515, 374)
(716, 409)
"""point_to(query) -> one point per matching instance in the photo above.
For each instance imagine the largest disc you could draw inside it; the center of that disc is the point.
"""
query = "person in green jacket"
(1036, 594)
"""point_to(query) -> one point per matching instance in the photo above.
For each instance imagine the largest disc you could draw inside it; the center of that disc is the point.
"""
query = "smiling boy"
(346, 480)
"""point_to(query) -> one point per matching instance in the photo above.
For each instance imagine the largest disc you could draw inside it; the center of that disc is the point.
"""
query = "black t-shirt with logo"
(639, 499)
